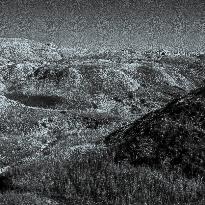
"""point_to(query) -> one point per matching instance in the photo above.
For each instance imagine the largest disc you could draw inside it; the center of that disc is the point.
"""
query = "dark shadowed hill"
(172, 137)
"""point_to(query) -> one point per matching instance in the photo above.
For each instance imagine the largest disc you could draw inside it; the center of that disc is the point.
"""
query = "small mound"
(173, 136)
(36, 100)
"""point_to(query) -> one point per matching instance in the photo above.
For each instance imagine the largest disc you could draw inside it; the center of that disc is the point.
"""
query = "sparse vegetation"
(93, 178)
(57, 107)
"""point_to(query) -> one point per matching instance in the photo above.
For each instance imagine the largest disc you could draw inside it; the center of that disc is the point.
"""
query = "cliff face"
(172, 137)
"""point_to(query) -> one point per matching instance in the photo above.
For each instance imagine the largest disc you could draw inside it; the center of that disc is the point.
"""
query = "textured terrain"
(171, 137)
(57, 105)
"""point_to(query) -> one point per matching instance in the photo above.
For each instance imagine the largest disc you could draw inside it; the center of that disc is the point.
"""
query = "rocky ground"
(57, 106)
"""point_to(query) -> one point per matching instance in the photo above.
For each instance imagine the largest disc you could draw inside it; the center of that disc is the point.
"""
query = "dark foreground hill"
(171, 137)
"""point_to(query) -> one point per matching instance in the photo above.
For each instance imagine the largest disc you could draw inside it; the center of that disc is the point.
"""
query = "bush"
(92, 178)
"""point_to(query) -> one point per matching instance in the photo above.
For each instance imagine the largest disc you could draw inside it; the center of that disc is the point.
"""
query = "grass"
(91, 177)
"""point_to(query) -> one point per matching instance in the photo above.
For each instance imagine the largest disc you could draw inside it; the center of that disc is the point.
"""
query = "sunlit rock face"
(170, 137)
(16, 49)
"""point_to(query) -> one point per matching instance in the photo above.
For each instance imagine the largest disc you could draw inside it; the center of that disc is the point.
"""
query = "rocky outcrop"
(171, 137)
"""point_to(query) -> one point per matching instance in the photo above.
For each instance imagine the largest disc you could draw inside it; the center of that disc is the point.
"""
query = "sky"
(140, 24)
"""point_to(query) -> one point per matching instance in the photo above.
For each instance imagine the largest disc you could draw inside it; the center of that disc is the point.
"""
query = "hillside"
(171, 137)
(126, 83)
(57, 105)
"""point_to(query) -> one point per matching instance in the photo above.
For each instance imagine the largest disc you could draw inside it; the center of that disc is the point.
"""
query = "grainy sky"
(179, 24)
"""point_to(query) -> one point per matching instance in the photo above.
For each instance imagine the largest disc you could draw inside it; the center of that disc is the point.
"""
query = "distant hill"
(126, 83)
